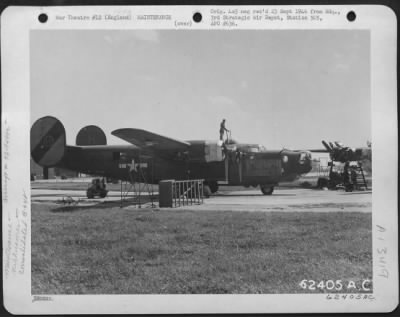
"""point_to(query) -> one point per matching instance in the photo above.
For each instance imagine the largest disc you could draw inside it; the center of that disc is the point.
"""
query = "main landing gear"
(213, 187)
(267, 189)
(210, 187)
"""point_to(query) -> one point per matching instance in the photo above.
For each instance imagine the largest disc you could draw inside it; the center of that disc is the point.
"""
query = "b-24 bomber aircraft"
(151, 157)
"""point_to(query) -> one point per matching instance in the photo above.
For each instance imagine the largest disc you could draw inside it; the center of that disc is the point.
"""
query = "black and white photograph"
(202, 161)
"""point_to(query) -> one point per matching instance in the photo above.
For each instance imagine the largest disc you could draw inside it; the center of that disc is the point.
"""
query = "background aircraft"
(340, 153)
(151, 157)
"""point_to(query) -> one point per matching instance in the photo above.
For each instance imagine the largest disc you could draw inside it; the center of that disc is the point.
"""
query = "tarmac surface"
(283, 199)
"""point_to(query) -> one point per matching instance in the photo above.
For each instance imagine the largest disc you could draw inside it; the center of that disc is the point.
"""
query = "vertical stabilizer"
(48, 141)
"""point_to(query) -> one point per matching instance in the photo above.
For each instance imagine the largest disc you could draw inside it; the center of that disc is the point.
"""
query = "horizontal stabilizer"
(146, 139)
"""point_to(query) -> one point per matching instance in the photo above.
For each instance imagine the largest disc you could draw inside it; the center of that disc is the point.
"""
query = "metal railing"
(187, 192)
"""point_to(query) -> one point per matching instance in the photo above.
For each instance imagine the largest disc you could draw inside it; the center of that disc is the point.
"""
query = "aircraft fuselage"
(235, 168)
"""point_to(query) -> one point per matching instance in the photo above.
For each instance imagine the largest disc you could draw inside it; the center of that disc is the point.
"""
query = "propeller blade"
(326, 145)
(338, 144)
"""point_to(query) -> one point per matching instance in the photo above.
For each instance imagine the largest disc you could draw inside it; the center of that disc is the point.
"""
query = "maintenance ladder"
(360, 180)
(139, 187)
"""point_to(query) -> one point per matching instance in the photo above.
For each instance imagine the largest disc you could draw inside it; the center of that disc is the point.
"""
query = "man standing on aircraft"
(222, 130)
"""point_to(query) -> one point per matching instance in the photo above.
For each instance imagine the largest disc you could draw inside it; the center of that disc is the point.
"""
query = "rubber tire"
(322, 182)
(206, 191)
(213, 187)
(267, 190)
(103, 194)
(89, 194)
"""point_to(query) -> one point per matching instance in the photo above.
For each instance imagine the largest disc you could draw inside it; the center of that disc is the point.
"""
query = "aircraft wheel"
(213, 187)
(206, 191)
(267, 190)
(103, 194)
(89, 194)
(322, 182)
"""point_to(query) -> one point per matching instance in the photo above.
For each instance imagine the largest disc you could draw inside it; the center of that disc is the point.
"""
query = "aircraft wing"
(318, 150)
(146, 139)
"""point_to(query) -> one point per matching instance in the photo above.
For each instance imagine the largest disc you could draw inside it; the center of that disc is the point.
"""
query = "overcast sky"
(289, 88)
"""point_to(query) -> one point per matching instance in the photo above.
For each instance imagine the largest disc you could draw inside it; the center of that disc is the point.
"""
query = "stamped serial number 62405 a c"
(337, 285)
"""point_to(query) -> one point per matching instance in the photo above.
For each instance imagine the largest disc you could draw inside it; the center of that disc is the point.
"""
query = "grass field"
(119, 251)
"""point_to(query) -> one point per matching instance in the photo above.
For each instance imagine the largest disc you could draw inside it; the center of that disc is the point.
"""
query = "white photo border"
(16, 24)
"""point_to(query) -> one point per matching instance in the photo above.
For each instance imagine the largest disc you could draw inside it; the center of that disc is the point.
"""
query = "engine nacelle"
(48, 141)
(91, 135)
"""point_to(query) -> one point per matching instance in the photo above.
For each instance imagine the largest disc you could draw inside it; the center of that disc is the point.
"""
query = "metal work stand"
(138, 185)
